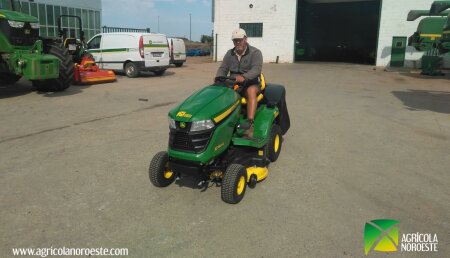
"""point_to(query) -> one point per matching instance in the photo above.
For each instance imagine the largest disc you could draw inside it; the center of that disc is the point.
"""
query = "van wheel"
(131, 70)
(159, 72)
(178, 64)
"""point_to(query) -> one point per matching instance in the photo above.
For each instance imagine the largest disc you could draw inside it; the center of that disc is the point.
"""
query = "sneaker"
(249, 132)
(245, 125)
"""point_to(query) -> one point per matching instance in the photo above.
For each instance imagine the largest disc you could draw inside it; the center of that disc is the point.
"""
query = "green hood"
(204, 104)
(16, 16)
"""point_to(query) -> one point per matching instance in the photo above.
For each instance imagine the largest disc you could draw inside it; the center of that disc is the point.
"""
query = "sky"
(173, 16)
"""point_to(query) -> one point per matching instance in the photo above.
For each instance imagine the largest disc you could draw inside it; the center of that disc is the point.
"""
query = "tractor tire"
(159, 171)
(234, 184)
(9, 78)
(131, 70)
(66, 69)
(159, 72)
(273, 146)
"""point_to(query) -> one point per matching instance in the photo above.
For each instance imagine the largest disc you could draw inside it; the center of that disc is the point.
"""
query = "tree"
(206, 39)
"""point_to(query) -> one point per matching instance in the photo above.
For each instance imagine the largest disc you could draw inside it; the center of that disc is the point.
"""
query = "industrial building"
(353, 31)
(48, 11)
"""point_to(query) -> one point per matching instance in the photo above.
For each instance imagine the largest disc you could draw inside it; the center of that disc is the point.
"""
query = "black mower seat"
(260, 96)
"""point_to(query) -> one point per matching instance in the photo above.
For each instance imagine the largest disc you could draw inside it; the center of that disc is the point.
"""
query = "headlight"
(202, 125)
(16, 24)
(35, 25)
(172, 123)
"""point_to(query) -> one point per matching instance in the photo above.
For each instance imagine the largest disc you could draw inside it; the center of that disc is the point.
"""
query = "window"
(65, 22)
(50, 20)
(97, 19)
(91, 20)
(84, 17)
(25, 7)
(253, 30)
(94, 43)
(34, 9)
(57, 10)
(42, 18)
(71, 19)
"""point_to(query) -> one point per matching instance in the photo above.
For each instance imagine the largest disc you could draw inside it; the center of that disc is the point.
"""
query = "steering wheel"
(230, 82)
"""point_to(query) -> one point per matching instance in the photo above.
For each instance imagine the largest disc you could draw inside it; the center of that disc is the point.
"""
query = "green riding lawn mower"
(23, 53)
(206, 141)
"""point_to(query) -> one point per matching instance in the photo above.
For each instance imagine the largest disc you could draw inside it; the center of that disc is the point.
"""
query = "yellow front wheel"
(159, 171)
(234, 184)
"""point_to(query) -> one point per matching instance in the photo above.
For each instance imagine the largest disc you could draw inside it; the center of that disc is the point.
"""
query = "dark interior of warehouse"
(337, 31)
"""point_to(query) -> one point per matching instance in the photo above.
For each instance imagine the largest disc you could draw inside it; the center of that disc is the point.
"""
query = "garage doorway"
(337, 30)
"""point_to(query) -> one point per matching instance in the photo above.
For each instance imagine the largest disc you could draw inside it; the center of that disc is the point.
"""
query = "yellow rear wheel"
(273, 147)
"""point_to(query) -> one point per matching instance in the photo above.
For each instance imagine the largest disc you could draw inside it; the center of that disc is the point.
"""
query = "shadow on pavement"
(10, 91)
(436, 101)
(194, 182)
(23, 88)
(147, 74)
(417, 75)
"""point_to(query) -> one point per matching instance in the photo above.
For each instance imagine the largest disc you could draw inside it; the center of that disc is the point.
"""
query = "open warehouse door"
(337, 30)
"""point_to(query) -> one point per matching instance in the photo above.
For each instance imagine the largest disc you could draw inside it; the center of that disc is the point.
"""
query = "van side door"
(117, 49)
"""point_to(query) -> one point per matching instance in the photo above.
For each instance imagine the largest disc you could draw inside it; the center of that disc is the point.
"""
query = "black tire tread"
(268, 148)
(228, 189)
(66, 69)
(133, 75)
(157, 164)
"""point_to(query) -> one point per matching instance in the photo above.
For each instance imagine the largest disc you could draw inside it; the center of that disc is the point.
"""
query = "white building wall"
(393, 23)
(278, 18)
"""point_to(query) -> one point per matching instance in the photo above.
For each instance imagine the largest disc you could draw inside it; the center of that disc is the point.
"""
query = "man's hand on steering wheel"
(240, 79)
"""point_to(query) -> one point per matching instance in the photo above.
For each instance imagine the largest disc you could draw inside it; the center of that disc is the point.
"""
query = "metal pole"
(190, 28)
(158, 23)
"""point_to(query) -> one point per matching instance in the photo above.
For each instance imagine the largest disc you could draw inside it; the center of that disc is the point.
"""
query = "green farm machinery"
(432, 36)
(23, 53)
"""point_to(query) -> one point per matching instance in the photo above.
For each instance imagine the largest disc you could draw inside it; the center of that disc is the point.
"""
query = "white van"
(177, 51)
(130, 52)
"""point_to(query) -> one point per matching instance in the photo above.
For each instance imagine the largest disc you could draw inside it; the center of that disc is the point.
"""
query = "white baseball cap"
(238, 34)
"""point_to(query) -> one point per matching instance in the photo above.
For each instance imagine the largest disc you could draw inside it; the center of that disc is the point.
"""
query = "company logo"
(182, 124)
(382, 235)
(184, 114)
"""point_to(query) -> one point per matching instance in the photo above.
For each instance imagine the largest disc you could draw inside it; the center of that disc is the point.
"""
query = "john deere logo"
(182, 124)
(381, 235)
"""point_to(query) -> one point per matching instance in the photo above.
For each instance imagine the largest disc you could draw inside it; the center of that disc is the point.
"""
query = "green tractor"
(428, 30)
(443, 44)
(205, 139)
(43, 61)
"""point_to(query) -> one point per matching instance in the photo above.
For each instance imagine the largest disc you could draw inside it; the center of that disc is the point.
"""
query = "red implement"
(87, 72)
